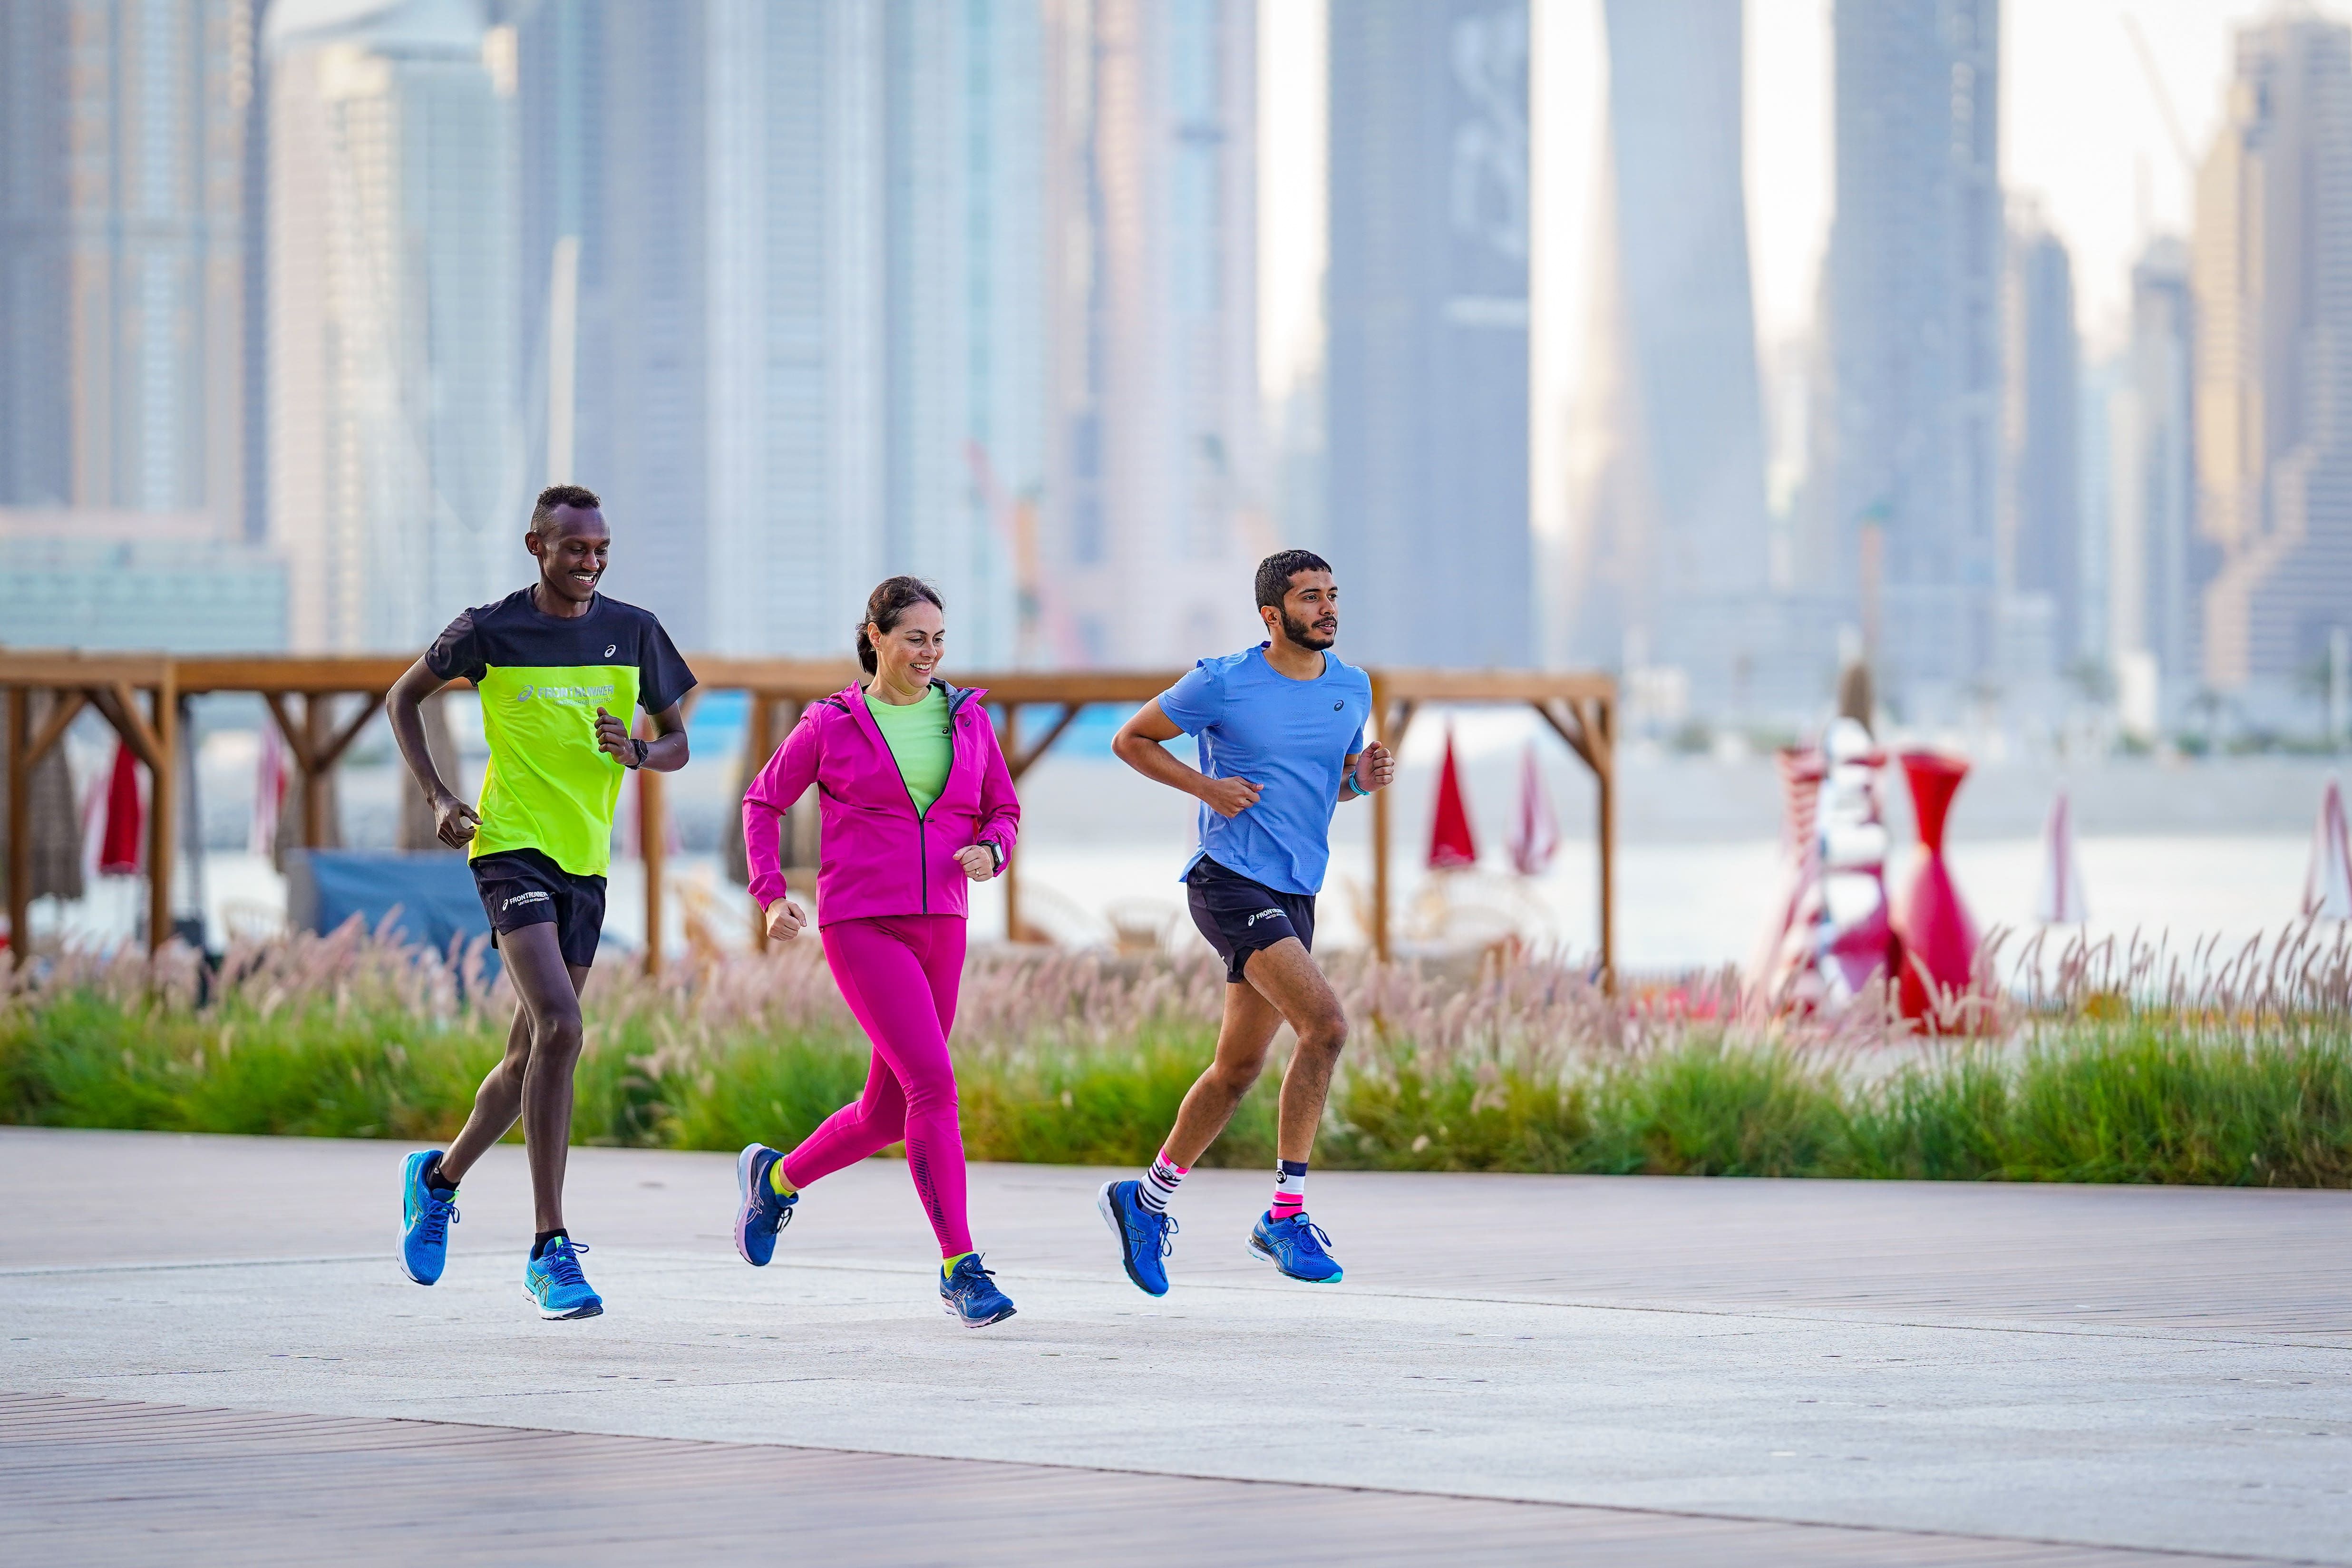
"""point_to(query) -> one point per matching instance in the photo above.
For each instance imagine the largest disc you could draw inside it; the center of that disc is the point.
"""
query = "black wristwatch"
(638, 741)
(990, 845)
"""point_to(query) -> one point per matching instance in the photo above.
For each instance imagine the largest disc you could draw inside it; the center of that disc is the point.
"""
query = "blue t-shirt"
(1290, 738)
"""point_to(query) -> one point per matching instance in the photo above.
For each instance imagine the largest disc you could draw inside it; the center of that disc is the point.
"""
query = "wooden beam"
(120, 705)
(335, 748)
(69, 708)
(320, 675)
(1019, 762)
(1493, 684)
(20, 825)
(1570, 728)
(63, 667)
(297, 745)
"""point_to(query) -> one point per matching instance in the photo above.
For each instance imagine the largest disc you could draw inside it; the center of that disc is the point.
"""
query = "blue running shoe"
(1295, 1246)
(971, 1296)
(1144, 1237)
(425, 1220)
(763, 1212)
(554, 1280)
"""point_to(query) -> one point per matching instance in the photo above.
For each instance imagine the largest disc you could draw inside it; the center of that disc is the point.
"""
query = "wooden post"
(161, 796)
(652, 846)
(1009, 742)
(761, 728)
(20, 824)
(1602, 727)
(318, 709)
(1380, 828)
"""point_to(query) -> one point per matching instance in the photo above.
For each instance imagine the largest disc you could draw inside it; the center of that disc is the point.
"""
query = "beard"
(1305, 636)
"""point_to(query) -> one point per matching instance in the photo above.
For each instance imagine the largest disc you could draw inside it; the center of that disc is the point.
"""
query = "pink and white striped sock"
(1159, 1183)
(1289, 1189)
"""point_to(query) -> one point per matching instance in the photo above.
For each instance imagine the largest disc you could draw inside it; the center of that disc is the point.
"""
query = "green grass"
(2134, 1099)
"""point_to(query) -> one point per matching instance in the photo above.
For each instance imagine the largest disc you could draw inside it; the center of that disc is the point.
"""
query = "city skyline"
(1010, 294)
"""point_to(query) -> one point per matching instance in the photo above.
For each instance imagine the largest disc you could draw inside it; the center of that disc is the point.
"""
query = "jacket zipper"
(923, 813)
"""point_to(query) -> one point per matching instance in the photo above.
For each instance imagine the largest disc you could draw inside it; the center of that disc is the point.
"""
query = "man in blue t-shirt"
(1281, 735)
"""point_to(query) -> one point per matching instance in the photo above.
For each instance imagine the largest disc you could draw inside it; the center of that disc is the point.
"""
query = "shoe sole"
(1263, 1254)
(408, 1184)
(744, 1204)
(949, 1308)
(593, 1310)
(1107, 1206)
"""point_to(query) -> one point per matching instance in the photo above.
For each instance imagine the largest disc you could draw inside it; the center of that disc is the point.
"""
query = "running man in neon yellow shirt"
(561, 669)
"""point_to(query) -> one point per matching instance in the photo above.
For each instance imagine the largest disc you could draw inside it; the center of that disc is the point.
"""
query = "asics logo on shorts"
(536, 896)
(1262, 915)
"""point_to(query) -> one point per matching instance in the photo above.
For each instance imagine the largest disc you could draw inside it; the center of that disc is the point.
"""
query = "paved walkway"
(1518, 1369)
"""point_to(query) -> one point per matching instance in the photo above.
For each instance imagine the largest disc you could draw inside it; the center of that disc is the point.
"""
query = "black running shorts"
(523, 887)
(1239, 916)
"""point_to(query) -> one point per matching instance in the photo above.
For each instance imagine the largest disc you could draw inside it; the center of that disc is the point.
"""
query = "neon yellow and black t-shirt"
(541, 679)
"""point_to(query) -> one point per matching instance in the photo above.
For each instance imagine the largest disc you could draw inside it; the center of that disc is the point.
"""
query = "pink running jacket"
(876, 857)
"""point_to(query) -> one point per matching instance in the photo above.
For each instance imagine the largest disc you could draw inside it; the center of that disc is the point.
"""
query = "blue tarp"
(434, 893)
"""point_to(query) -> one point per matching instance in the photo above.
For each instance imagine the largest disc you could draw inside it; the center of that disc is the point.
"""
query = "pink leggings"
(899, 974)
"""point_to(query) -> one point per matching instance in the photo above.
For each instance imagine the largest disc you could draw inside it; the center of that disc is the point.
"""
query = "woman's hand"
(784, 920)
(978, 860)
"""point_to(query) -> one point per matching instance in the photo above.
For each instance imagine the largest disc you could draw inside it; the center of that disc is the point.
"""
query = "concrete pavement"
(1949, 1372)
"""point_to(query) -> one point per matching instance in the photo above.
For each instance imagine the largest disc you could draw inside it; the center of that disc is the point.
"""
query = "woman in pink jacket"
(914, 802)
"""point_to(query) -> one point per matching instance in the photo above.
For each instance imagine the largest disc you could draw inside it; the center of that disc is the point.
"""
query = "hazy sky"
(2080, 131)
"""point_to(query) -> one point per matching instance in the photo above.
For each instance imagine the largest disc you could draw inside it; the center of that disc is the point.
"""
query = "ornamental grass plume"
(2085, 1060)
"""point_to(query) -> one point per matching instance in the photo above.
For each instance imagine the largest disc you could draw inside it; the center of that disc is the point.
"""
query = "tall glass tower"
(1427, 299)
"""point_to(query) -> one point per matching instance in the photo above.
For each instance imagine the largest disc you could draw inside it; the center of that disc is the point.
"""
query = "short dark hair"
(1275, 573)
(892, 598)
(579, 496)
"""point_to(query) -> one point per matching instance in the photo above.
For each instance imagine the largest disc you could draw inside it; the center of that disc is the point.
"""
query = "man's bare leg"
(1281, 985)
(1242, 1037)
(533, 1079)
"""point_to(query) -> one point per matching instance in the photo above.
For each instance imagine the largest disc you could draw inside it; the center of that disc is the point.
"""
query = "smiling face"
(906, 655)
(572, 551)
(1309, 615)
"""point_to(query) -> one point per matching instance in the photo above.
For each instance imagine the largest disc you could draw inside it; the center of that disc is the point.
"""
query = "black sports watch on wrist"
(638, 741)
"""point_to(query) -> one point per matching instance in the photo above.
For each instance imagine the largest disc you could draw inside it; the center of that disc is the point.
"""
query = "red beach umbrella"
(1451, 846)
(1937, 934)
(117, 852)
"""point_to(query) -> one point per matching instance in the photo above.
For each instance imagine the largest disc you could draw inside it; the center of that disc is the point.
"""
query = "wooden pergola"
(1032, 710)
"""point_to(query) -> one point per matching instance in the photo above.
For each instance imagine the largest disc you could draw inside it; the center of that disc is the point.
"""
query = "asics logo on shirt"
(1262, 915)
(536, 896)
(609, 648)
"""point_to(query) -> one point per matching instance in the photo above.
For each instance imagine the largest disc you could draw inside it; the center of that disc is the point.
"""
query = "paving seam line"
(483, 1427)
(1992, 1325)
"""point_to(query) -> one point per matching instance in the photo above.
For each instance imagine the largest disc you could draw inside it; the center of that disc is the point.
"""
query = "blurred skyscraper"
(121, 282)
(1153, 503)
(2272, 273)
(1427, 307)
(2041, 617)
(1671, 555)
(1908, 475)
(2153, 577)
(795, 342)
(396, 479)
